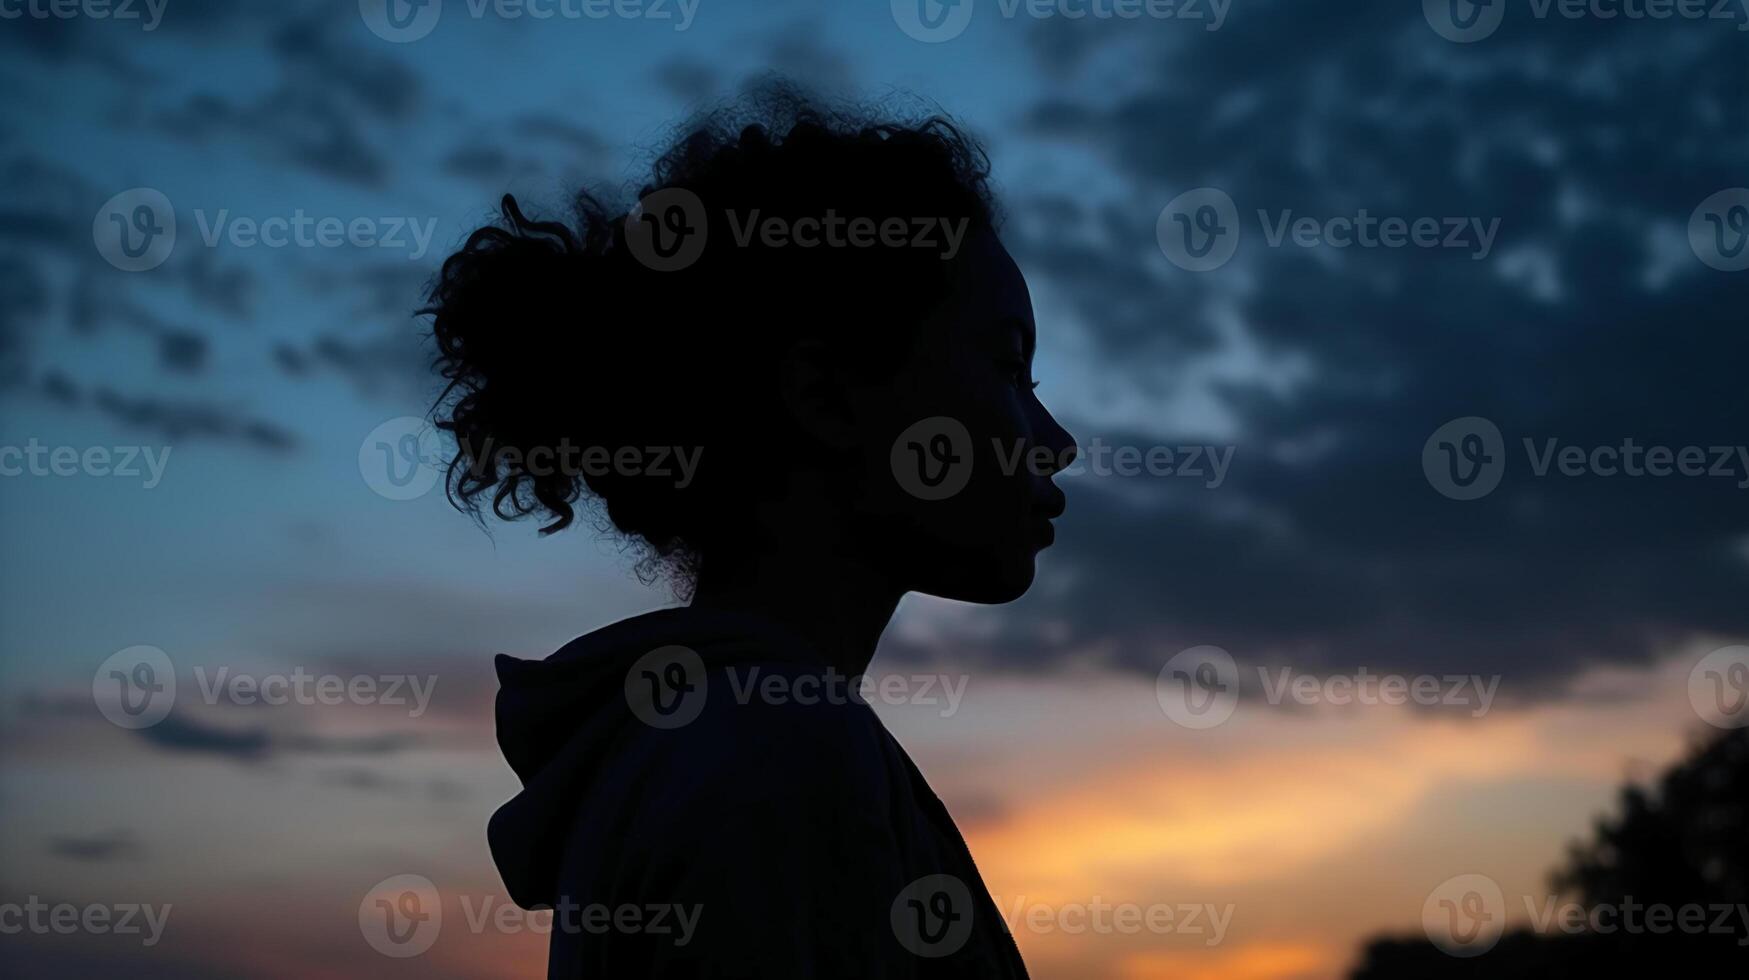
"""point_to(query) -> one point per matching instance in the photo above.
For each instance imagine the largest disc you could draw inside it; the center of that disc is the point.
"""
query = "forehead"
(990, 281)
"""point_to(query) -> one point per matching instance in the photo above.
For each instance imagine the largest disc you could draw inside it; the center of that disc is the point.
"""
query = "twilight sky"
(1595, 310)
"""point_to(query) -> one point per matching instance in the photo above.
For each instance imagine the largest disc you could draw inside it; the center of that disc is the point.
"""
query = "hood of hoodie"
(559, 720)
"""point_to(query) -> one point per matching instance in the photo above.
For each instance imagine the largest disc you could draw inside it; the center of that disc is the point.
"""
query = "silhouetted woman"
(789, 308)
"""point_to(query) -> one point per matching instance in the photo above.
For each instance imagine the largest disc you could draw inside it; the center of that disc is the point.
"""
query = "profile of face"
(957, 453)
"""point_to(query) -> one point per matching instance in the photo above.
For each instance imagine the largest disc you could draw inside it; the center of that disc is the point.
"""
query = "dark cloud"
(478, 161)
(304, 125)
(393, 361)
(118, 845)
(529, 146)
(688, 80)
(1326, 544)
(23, 296)
(582, 141)
(180, 733)
(797, 54)
(383, 85)
(381, 345)
(47, 955)
(373, 781)
(226, 290)
(330, 94)
(182, 352)
(176, 420)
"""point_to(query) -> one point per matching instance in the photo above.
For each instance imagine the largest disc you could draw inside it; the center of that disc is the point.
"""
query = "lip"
(1052, 507)
(1047, 532)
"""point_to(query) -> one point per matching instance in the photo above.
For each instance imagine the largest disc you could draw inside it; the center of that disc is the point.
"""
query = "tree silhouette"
(1679, 844)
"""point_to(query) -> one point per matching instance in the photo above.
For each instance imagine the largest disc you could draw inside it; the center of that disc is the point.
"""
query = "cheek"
(977, 421)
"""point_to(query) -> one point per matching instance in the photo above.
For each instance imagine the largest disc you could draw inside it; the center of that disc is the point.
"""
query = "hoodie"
(702, 798)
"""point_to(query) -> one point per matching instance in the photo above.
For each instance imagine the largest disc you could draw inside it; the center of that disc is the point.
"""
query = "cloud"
(529, 146)
(797, 54)
(180, 733)
(373, 781)
(183, 419)
(689, 80)
(329, 95)
(117, 845)
(1326, 545)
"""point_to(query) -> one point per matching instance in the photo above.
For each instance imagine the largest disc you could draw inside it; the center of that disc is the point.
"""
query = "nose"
(1051, 434)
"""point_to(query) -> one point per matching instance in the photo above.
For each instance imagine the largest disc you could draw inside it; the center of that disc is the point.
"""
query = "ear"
(814, 394)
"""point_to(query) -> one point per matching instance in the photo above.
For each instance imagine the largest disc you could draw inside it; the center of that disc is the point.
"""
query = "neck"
(831, 599)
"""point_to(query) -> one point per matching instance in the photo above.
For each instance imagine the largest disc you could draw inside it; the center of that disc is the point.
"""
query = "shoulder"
(771, 736)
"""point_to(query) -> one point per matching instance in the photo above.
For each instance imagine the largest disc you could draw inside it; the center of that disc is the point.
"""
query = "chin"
(987, 584)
